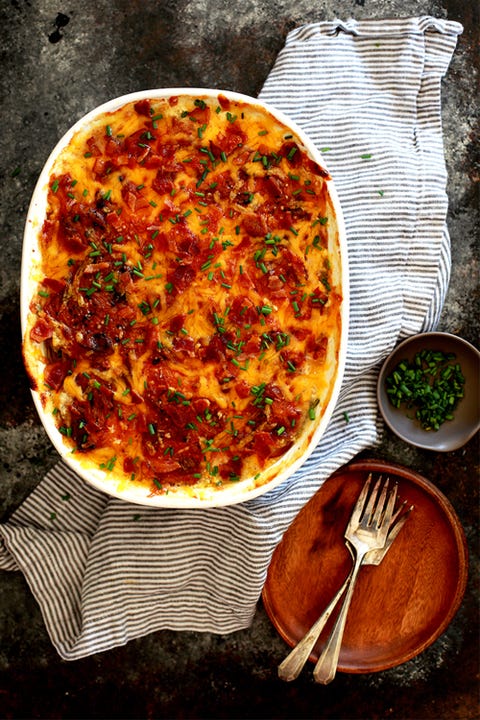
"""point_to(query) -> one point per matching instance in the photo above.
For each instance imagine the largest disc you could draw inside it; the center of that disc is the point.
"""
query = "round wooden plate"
(399, 607)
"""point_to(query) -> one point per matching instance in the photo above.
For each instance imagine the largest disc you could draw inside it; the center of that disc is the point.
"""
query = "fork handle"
(290, 668)
(326, 666)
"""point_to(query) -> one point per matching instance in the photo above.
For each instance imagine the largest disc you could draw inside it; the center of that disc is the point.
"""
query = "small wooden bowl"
(398, 608)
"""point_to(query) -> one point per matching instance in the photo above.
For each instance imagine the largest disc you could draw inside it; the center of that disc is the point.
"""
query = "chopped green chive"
(431, 385)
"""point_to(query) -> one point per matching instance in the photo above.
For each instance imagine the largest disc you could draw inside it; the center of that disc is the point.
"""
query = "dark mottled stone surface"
(59, 60)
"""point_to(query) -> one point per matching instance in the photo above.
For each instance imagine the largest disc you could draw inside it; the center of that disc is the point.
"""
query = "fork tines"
(377, 503)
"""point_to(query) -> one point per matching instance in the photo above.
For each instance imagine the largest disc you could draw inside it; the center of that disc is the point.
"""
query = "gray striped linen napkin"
(104, 571)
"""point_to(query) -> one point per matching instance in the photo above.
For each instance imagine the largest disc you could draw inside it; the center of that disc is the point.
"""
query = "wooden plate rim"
(383, 466)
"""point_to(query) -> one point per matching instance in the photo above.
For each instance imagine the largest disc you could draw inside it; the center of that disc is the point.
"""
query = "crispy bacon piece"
(255, 225)
(41, 331)
(142, 107)
(55, 374)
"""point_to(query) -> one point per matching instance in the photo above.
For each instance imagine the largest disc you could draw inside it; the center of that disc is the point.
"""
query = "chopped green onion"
(432, 384)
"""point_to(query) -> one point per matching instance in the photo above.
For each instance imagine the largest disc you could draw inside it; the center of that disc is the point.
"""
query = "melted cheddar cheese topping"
(188, 309)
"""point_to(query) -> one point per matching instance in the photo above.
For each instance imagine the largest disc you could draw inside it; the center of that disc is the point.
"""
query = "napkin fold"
(103, 571)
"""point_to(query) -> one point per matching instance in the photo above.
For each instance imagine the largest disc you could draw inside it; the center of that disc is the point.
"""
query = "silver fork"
(290, 668)
(367, 530)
